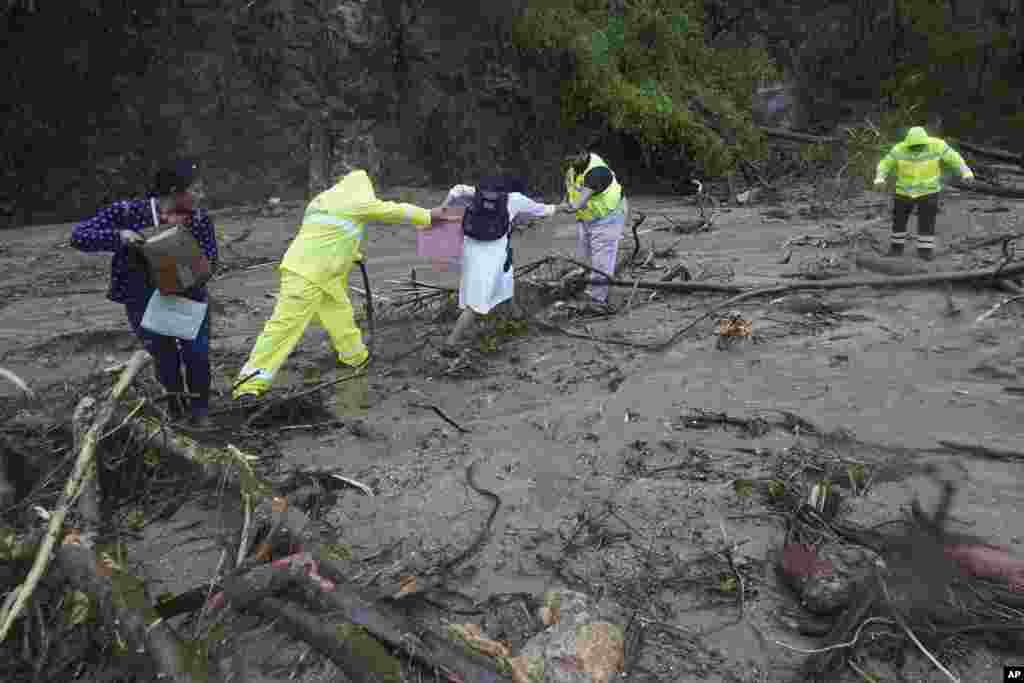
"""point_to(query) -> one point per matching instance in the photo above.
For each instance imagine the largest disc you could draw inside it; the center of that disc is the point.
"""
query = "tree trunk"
(319, 155)
(1020, 35)
(126, 607)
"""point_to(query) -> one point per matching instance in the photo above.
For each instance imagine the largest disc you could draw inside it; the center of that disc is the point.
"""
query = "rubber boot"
(926, 254)
(896, 250)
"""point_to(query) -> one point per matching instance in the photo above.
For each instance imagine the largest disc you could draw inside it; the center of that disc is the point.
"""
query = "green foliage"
(650, 74)
(868, 143)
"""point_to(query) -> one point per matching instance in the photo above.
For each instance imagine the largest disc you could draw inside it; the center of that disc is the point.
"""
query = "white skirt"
(484, 283)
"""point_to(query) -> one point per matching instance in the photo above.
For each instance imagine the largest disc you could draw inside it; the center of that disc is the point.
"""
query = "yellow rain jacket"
(919, 173)
(599, 205)
(334, 227)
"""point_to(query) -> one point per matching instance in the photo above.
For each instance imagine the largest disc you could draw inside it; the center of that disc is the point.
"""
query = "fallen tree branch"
(982, 451)
(210, 461)
(89, 501)
(82, 469)
(122, 598)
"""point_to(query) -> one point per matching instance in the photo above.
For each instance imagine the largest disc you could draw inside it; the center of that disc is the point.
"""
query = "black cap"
(174, 178)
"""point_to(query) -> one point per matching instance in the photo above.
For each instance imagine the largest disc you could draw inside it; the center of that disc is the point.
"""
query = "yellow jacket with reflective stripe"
(599, 205)
(334, 227)
(920, 173)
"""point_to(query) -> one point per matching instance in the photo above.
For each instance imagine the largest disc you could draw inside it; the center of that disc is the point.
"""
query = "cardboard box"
(175, 261)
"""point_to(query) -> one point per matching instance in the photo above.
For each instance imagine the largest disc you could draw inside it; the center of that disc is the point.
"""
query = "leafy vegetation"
(649, 73)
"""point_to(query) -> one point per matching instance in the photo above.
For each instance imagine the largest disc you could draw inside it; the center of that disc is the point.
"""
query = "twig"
(72, 488)
(990, 312)
(629, 303)
(18, 382)
(357, 484)
(301, 394)
(243, 545)
(913, 637)
(838, 646)
(440, 414)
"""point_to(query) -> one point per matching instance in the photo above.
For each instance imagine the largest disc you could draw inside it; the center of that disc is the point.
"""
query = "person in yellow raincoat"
(918, 162)
(314, 278)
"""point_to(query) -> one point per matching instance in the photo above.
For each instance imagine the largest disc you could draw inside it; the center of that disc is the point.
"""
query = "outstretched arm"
(952, 159)
(521, 205)
(102, 232)
(392, 213)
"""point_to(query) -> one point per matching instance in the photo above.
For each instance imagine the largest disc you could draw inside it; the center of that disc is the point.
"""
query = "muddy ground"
(570, 433)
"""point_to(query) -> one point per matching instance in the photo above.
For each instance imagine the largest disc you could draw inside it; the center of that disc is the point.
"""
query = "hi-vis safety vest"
(599, 205)
(920, 173)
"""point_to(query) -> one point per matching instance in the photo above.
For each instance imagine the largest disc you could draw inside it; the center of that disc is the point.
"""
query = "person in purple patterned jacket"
(120, 228)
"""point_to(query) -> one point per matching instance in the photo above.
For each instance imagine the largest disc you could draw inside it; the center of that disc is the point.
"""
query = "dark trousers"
(927, 210)
(170, 353)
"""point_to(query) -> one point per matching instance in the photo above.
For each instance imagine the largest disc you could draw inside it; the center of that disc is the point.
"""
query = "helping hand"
(131, 237)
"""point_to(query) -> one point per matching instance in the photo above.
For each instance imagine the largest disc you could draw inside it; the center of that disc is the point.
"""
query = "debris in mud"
(733, 330)
(927, 583)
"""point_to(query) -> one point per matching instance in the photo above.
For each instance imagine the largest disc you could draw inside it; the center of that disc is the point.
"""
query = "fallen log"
(979, 187)
(353, 604)
(362, 659)
(888, 266)
(799, 137)
(983, 451)
(987, 152)
(83, 469)
(123, 601)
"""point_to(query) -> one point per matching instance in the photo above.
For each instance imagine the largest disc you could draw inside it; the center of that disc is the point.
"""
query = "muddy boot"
(462, 326)
(926, 254)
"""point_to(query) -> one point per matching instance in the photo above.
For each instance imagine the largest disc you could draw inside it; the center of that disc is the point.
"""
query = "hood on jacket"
(916, 136)
(352, 189)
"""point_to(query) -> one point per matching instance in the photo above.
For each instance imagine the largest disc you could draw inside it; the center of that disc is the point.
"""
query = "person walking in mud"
(314, 278)
(597, 199)
(120, 228)
(917, 163)
(492, 206)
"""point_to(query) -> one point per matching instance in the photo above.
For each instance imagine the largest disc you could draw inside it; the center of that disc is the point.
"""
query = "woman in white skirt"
(487, 271)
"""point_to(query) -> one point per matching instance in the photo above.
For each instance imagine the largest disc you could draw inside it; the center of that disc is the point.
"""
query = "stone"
(578, 645)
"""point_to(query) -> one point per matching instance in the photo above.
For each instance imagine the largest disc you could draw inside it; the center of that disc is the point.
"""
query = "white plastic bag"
(174, 316)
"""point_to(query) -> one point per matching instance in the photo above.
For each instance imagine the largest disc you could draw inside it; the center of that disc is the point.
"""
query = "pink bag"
(442, 242)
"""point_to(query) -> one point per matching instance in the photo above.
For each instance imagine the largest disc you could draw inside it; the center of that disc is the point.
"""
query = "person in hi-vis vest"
(597, 199)
(917, 162)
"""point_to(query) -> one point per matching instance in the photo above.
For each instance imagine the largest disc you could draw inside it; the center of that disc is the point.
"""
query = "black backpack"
(487, 218)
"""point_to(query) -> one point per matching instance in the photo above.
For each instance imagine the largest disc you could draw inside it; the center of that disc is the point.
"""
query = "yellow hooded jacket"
(919, 173)
(334, 227)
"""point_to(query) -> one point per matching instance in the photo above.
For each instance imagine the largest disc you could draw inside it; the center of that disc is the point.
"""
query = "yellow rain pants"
(314, 277)
(298, 303)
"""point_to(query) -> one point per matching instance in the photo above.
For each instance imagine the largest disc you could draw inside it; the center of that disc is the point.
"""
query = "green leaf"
(743, 487)
(727, 583)
(78, 608)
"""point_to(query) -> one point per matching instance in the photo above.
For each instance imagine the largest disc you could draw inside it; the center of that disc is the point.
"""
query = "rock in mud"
(823, 578)
(578, 645)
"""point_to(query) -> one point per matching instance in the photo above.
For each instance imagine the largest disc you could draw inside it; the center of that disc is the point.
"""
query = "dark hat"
(174, 178)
